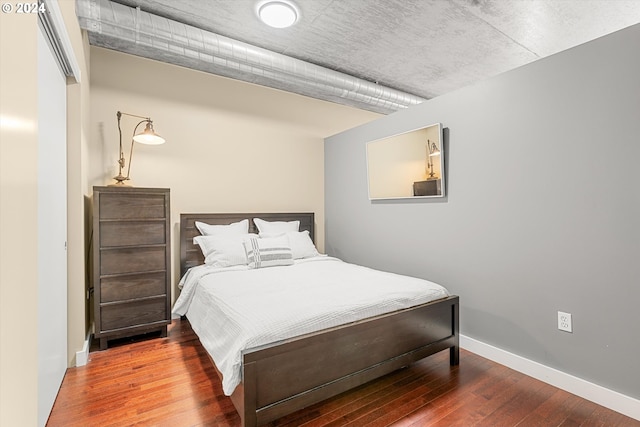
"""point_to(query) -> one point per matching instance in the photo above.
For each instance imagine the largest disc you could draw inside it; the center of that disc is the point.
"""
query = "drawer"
(132, 260)
(131, 233)
(134, 313)
(132, 286)
(128, 206)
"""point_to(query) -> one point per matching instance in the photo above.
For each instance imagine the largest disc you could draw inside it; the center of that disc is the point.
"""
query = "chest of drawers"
(131, 261)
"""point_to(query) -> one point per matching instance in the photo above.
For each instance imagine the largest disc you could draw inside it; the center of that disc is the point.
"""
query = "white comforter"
(233, 309)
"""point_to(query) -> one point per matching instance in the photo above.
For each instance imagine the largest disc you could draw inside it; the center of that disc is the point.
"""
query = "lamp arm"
(121, 161)
(133, 141)
(121, 158)
(134, 115)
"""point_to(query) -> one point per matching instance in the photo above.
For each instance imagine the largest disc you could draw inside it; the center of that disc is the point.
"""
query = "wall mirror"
(407, 165)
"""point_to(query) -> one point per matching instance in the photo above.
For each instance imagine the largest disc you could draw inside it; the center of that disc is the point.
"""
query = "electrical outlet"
(564, 322)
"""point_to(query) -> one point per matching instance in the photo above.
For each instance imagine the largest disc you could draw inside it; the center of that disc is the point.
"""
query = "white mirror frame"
(399, 166)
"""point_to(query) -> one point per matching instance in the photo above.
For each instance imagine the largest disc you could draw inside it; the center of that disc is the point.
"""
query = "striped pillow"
(268, 252)
(301, 244)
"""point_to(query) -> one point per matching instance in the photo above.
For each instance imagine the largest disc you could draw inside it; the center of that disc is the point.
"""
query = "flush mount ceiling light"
(278, 14)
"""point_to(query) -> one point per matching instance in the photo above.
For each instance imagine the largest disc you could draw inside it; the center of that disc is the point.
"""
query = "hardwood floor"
(171, 382)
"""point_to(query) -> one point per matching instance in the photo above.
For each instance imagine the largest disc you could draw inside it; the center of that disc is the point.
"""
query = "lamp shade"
(149, 136)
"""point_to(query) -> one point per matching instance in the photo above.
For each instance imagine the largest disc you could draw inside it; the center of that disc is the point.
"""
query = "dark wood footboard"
(281, 378)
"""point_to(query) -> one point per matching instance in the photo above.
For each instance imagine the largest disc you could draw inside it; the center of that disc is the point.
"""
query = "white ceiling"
(422, 47)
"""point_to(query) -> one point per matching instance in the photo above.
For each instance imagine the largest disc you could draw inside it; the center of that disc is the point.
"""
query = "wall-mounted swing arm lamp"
(432, 150)
(147, 136)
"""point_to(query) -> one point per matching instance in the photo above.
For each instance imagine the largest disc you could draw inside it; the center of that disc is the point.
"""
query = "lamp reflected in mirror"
(432, 150)
(148, 137)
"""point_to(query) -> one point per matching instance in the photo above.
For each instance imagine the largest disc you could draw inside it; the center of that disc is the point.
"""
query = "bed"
(280, 378)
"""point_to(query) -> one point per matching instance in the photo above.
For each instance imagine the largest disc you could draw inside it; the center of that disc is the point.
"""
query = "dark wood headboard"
(190, 254)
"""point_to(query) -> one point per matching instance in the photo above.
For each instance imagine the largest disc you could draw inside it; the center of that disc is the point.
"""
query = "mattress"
(236, 308)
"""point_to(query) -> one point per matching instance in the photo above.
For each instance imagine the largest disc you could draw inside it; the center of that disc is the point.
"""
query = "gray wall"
(542, 212)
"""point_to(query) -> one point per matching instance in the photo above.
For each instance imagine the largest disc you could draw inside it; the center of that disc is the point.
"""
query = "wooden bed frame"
(281, 378)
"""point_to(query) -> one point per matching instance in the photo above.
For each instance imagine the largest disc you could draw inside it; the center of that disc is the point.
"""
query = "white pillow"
(276, 227)
(223, 251)
(268, 252)
(301, 244)
(235, 229)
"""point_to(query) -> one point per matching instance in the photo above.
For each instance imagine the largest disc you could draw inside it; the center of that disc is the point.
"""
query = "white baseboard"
(602, 396)
(82, 356)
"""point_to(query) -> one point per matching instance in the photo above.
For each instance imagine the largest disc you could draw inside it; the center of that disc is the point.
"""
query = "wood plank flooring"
(171, 382)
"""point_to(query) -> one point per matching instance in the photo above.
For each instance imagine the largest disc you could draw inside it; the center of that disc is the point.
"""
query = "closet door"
(51, 257)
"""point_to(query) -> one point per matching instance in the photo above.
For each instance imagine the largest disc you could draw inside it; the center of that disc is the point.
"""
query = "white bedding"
(237, 308)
